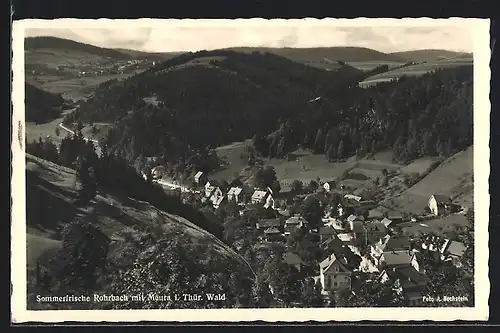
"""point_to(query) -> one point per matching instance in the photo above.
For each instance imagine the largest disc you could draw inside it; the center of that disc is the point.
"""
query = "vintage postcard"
(250, 169)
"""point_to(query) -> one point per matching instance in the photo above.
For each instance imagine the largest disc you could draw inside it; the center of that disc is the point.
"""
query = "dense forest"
(42, 106)
(107, 172)
(186, 106)
(414, 116)
(205, 99)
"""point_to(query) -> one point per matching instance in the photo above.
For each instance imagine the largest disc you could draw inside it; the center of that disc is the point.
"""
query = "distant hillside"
(326, 57)
(430, 55)
(138, 231)
(208, 98)
(66, 45)
(150, 55)
(41, 106)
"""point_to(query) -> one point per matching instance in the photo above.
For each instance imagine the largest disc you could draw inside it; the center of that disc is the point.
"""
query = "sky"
(198, 35)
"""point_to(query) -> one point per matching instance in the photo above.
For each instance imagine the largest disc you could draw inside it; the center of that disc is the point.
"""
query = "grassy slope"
(429, 55)
(418, 69)
(454, 177)
(327, 57)
(114, 213)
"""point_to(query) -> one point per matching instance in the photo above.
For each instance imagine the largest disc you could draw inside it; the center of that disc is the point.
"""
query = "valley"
(249, 172)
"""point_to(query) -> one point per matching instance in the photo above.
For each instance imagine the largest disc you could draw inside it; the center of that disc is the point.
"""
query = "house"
(453, 252)
(293, 260)
(438, 204)
(410, 282)
(293, 223)
(158, 171)
(200, 178)
(375, 214)
(375, 230)
(398, 259)
(388, 244)
(269, 223)
(272, 234)
(217, 197)
(259, 196)
(333, 244)
(209, 188)
(333, 223)
(329, 186)
(234, 193)
(386, 222)
(395, 217)
(334, 274)
(356, 198)
(359, 233)
(269, 202)
(345, 209)
(325, 233)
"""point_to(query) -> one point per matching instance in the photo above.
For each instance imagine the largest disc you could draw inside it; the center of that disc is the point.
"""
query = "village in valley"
(351, 232)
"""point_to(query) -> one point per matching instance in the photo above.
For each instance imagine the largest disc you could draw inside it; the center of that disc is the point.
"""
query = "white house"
(217, 197)
(209, 188)
(259, 196)
(438, 203)
(269, 202)
(200, 178)
(334, 274)
(329, 186)
(234, 194)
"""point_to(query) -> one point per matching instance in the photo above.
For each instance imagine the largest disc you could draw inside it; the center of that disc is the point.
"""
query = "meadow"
(416, 70)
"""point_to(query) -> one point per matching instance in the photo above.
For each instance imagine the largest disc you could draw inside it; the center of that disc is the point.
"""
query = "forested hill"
(41, 105)
(415, 116)
(209, 98)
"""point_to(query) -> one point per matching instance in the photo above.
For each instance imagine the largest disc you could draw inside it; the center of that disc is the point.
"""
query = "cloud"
(275, 33)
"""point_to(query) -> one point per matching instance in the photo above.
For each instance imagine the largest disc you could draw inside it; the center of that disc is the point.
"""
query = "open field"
(454, 177)
(34, 131)
(75, 89)
(420, 165)
(440, 226)
(233, 164)
(416, 70)
(369, 65)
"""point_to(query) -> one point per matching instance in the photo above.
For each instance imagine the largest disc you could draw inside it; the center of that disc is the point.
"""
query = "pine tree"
(340, 150)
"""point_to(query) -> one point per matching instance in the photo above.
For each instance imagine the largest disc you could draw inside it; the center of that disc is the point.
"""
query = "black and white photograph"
(312, 166)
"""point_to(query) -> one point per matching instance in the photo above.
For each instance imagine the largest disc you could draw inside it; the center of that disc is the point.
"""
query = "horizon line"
(246, 46)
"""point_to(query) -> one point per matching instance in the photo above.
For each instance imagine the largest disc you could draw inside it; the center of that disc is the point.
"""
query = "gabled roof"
(198, 174)
(295, 220)
(375, 227)
(272, 230)
(292, 259)
(394, 215)
(398, 243)
(352, 218)
(259, 194)
(456, 249)
(328, 262)
(327, 231)
(395, 258)
(375, 213)
(441, 198)
(235, 191)
(386, 221)
(334, 243)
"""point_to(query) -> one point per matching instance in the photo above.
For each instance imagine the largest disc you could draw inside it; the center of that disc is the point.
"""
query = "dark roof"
(375, 227)
(394, 215)
(398, 243)
(441, 198)
(327, 231)
(358, 226)
(411, 277)
(395, 258)
(333, 243)
(292, 259)
(253, 206)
